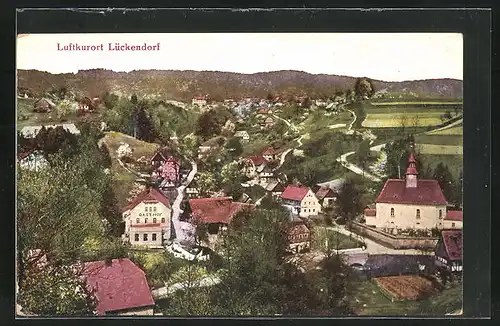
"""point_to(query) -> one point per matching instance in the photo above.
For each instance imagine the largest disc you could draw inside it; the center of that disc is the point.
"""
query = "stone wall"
(395, 242)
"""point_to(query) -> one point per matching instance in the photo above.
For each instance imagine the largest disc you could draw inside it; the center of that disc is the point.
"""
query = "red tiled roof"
(370, 212)
(262, 111)
(257, 159)
(454, 216)
(294, 193)
(200, 97)
(452, 240)
(121, 285)
(427, 192)
(215, 210)
(22, 156)
(150, 194)
(325, 192)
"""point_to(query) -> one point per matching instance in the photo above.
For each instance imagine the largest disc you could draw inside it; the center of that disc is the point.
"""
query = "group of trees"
(258, 279)
(61, 211)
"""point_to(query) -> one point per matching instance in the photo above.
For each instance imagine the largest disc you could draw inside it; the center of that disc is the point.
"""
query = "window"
(154, 219)
(418, 223)
(146, 209)
(163, 220)
(146, 220)
(136, 237)
(145, 237)
(392, 212)
(314, 210)
(154, 209)
(137, 221)
(452, 225)
(440, 213)
(418, 213)
(154, 237)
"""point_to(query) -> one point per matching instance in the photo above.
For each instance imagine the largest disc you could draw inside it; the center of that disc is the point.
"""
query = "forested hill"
(183, 85)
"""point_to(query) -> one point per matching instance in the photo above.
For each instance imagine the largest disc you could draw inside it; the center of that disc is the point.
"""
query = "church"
(409, 203)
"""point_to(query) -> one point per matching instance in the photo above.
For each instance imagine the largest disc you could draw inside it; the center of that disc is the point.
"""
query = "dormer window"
(137, 221)
(392, 212)
(418, 214)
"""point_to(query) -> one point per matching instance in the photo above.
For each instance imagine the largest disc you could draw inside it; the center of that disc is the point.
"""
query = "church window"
(440, 213)
(418, 213)
(392, 212)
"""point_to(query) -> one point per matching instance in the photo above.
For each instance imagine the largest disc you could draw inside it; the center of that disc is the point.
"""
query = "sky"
(388, 57)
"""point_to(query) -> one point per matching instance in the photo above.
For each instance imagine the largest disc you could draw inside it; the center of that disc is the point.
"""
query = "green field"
(440, 139)
(417, 103)
(391, 120)
(368, 300)
(458, 130)
(433, 149)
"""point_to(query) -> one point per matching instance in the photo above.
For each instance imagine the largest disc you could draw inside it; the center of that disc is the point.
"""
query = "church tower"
(411, 173)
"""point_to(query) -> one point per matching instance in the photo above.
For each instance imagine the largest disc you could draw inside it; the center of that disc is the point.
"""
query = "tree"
(144, 126)
(349, 201)
(403, 123)
(234, 145)
(133, 99)
(363, 88)
(56, 291)
(416, 120)
(363, 153)
(209, 125)
(443, 175)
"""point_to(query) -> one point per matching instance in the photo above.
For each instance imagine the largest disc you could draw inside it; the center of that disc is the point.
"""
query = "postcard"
(239, 174)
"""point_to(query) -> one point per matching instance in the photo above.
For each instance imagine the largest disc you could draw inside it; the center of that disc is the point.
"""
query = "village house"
(120, 286)
(32, 131)
(32, 160)
(147, 219)
(271, 154)
(299, 236)
(326, 196)
(216, 212)
(243, 135)
(453, 220)
(86, 105)
(43, 105)
(253, 163)
(301, 200)
(200, 100)
(266, 174)
(448, 253)
(408, 203)
(166, 167)
(276, 189)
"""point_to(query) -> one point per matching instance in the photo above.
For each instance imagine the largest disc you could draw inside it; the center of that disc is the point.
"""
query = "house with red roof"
(301, 200)
(120, 286)
(275, 189)
(200, 100)
(408, 203)
(271, 154)
(252, 163)
(215, 212)
(453, 220)
(147, 219)
(448, 252)
(326, 196)
(167, 167)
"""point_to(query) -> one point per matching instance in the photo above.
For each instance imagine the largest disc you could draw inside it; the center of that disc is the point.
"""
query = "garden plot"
(407, 287)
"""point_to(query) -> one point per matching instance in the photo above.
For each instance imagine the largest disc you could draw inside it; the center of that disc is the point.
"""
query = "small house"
(43, 105)
(271, 154)
(32, 160)
(448, 252)
(299, 236)
(267, 123)
(326, 196)
(276, 189)
(120, 287)
(252, 164)
(243, 135)
(266, 174)
(453, 220)
(86, 105)
(301, 200)
(200, 100)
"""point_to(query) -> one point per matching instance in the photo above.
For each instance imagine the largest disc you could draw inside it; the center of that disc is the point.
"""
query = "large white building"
(409, 203)
(147, 219)
(301, 200)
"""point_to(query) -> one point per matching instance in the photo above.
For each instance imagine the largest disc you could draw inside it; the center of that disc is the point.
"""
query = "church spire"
(411, 172)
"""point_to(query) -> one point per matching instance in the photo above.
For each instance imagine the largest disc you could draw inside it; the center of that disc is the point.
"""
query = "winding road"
(183, 230)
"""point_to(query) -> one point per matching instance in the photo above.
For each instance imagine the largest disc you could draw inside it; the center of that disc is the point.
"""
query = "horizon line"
(241, 73)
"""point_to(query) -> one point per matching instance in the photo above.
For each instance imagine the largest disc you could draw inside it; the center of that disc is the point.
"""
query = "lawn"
(336, 240)
(440, 139)
(388, 120)
(369, 300)
(318, 121)
(433, 149)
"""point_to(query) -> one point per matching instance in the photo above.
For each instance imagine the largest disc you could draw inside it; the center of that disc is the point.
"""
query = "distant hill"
(183, 85)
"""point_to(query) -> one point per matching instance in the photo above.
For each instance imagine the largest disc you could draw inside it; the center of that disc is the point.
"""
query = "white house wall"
(139, 212)
(310, 205)
(405, 216)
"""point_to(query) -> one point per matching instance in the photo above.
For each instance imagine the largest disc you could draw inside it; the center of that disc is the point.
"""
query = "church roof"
(427, 192)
